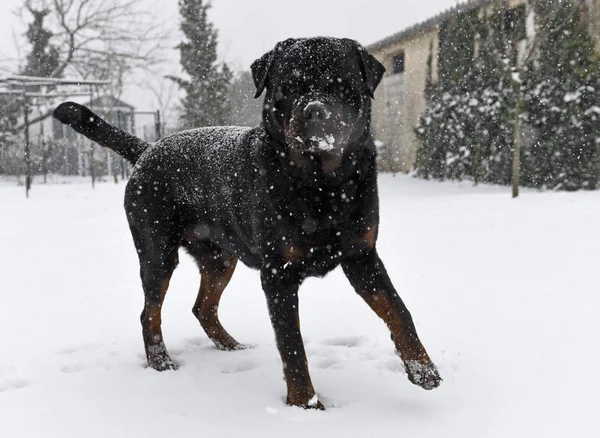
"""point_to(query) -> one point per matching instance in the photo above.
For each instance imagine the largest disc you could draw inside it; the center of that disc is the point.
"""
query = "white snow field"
(505, 295)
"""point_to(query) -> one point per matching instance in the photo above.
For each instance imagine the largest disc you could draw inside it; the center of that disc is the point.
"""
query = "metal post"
(122, 162)
(43, 149)
(517, 143)
(131, 124)
(111, 164)
(27, 151)
(158, 126)
(92, 172)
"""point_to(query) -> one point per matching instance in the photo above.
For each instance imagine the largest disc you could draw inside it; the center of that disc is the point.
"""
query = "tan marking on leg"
(154, 310)
(302, 396)
(409, 348)
(206, 306)
(156, 352)
(370, 237)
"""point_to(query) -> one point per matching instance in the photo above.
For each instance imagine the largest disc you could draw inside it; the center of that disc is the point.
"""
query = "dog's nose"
(315, 112)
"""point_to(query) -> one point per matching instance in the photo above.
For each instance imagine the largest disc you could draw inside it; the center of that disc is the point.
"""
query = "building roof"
(428, 25)
(108, 102)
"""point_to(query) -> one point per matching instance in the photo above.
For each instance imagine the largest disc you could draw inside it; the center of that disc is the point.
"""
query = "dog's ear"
(262, 66)
(372, 69)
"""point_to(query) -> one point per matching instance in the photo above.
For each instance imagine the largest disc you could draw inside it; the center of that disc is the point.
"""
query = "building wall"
(515, 3)
(595, 21)
(400, 100)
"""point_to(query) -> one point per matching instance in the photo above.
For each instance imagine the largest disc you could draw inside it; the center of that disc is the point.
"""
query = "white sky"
(248, 28)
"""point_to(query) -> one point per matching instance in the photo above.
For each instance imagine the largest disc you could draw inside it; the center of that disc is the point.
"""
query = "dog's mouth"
(317, 143)
(327, 138)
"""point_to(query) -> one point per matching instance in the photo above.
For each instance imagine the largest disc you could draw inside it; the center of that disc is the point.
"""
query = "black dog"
(293, 198)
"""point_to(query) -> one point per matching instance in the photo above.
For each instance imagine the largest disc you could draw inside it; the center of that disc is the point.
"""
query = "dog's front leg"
(281, 290)
(371, 281)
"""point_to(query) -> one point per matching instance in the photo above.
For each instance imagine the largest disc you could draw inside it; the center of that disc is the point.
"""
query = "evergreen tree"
(491, 86)
(9, 112)
(563, 101)
(465, 130)
(205, 101)
(441, 129)
(468, 127)
(44, 58)
(245, 109)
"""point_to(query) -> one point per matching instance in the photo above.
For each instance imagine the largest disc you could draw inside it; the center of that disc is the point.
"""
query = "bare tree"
(107, 40)
(104, 29)
(165, 93)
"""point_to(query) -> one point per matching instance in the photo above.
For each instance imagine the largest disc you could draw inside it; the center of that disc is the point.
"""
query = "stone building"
(400, 99)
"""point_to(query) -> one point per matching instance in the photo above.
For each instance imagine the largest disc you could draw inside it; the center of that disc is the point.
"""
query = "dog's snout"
(316, 112)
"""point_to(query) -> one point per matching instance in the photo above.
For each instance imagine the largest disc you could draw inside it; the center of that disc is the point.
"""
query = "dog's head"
(318, 93)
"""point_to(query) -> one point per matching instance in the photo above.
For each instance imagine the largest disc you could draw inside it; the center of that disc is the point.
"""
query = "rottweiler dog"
(293, 198)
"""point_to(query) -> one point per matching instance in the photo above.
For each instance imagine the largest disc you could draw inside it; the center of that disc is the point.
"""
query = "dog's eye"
(283, 92)
(343, 90)
(279, 93)
(342, 87)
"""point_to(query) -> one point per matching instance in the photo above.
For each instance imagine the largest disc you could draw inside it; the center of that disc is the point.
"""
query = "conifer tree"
(467, 129)
(44, 58)
(464, 130)
(245, 109)
(207, 83)
(440, 128)
(563, 100)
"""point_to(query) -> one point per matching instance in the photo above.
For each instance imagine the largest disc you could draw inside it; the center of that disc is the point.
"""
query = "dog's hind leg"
(158, 260)
(215, 277)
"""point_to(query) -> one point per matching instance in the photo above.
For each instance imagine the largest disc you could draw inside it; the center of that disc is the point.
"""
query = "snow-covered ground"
(505, 295)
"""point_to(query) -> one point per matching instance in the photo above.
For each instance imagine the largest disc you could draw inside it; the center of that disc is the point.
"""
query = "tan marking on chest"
(292, 253)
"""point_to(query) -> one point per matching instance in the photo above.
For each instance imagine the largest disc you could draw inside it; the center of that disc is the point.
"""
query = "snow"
(504, 294)
(594, 109)
(325, 143)
(570, 97)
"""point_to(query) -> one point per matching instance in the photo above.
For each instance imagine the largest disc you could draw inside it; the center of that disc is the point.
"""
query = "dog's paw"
(231, 346)
(312, 403)
(423, 374)
(162, 362)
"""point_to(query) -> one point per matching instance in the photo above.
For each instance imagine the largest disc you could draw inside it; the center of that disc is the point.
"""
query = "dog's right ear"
(260, 71)
(262, 66)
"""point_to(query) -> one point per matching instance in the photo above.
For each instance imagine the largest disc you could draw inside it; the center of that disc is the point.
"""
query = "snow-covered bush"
(467, 129)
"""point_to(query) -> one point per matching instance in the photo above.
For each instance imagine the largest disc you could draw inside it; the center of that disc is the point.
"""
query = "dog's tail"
(84, 121)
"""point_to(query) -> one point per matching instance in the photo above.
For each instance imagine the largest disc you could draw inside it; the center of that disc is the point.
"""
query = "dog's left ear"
(262, 66)
(372, 69)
